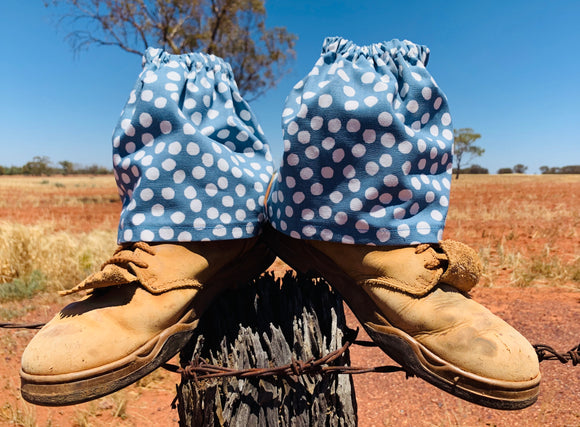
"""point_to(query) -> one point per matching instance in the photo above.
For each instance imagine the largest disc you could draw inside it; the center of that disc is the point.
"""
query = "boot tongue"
(158, 268)
(110, 275)
(463, 265)
(417, 270)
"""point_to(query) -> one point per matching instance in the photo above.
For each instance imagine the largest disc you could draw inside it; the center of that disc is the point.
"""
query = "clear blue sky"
(511, 71)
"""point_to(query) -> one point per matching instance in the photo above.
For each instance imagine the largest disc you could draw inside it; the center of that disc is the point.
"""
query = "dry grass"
(152, 380)
(544, 269)
(24, 415)
(38, 183)
(72, 203)
(549, 199)
(526, 228)
(29, 191)
(54, 231)
(91, 413)
(38, 253)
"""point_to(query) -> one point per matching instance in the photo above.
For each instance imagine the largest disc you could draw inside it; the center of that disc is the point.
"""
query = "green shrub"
(22, 288)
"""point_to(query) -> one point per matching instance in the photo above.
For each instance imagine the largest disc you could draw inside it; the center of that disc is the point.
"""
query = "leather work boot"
(142, 308)
(412, 302)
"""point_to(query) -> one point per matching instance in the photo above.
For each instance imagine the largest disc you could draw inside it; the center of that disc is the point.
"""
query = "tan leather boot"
(412, 302)
(143, 308)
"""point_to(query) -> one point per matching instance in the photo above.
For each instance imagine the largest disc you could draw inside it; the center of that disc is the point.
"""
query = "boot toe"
(486, 347)
(68, 345)
(461, 332)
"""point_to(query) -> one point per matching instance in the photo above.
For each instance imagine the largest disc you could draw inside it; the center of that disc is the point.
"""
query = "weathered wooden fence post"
(261, 325)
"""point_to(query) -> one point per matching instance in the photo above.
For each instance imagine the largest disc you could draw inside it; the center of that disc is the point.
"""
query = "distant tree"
(67, 167)
(505, 171)
(546, 170)
(475, 169)
(40, 165)
(93, 170)
(13, 170)
(519, 168)
(573, 169)
(232, 29)
(464, 148)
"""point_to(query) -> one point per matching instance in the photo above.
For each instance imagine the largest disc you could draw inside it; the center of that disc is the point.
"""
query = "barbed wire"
(545, 352)
(21, 325)
(198, 369)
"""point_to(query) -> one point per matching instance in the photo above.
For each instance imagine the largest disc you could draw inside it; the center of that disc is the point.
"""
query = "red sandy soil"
(544, 313)
(548, 316)
(75, 203)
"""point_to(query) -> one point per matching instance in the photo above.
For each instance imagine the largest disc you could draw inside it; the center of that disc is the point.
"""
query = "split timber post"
(263, 324)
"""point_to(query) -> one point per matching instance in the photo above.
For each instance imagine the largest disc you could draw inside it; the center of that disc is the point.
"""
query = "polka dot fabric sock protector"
(367, 149)
(190, 160)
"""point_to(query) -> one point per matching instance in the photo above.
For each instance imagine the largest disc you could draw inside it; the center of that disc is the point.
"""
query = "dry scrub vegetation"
(525, 227)
(73, 204)
(57, 259)
(54, 231)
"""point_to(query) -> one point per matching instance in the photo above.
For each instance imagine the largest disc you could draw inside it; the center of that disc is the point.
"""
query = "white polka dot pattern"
(190, 159)
(367, 149)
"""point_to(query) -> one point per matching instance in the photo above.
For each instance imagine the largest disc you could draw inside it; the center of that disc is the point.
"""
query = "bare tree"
(464, 148)
(232, 29)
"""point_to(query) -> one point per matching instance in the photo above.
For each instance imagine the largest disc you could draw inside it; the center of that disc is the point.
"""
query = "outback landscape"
(55, 230)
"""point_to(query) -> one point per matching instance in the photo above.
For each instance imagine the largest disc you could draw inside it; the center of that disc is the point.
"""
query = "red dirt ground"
(72, 203)
(544, 314)
(548, 316)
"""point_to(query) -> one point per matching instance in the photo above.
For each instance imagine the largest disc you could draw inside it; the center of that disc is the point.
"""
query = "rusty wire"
(198, 369)
(21, 325)
(545, 352)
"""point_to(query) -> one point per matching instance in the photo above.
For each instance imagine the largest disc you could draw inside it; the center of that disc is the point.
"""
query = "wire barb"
(311, 366)
(545, 352)
(198, 369)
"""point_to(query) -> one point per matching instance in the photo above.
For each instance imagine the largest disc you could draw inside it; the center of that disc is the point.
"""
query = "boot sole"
(82, 386)
(79, 387)
(400, 346)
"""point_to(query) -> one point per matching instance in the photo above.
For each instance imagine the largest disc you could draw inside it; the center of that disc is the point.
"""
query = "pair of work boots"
(145, 303)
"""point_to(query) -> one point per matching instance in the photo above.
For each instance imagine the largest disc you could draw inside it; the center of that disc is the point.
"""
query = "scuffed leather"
(412, 270)
(464, 267)
(143, 291)
(166, 267)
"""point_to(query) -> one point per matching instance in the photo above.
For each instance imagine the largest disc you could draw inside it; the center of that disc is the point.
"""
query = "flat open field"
(526, 229)
(71, 203)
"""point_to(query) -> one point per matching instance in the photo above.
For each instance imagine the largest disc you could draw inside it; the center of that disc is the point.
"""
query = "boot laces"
(126, 254)
(439, 259)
